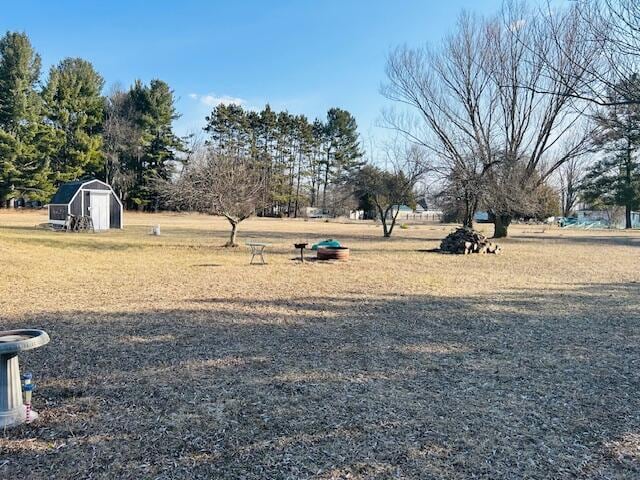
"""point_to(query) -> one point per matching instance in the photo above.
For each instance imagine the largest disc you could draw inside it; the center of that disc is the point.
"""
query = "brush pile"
(465, 241)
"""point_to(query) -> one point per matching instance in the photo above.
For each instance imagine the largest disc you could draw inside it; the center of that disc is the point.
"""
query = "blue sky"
(303, 56)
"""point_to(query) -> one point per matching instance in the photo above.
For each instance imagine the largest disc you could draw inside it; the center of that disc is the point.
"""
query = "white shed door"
(100, 210)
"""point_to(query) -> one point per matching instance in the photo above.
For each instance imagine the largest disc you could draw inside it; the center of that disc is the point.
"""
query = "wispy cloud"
(211, 100)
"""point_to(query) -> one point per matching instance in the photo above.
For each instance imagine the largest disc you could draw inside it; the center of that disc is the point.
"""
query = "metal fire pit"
(12, 342)
(333, 253)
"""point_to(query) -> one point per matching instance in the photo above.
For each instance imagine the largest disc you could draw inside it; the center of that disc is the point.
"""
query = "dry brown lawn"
(171, 357)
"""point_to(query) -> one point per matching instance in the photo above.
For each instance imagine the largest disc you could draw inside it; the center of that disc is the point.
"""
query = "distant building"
(92, 198)
(356, 215)
(422, 205)
(399, 209)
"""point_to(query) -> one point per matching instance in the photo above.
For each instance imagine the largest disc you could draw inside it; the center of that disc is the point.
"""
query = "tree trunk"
(501, 225)
(393, 223)
(629, 183)
(383, 220)
(324, 187)
(295, 213)
(470, 207)
(232, 236)
(312, 201)
(290, 192)
(467, 221)
(387, 229)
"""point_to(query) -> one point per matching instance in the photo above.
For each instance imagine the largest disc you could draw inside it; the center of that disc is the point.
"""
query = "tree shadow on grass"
(517, 385)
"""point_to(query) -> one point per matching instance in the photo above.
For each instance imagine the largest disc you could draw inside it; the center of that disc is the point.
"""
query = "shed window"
(58, 212)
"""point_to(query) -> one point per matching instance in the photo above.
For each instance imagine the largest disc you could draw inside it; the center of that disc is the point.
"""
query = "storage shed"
(90, 197)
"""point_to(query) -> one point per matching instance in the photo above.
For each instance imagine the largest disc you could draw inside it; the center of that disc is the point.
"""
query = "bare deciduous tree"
(217, 184)
(570, 176)
(119, 136)
(385, 190)
(609, 31)
(487, 101)
(452, 106)
(459, 193)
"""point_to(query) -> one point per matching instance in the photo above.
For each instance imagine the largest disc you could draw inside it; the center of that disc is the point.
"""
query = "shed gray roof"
(66, 191)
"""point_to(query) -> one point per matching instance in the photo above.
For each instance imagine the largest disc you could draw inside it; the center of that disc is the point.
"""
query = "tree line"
(64, 129)
(304, 163)
(502, 115)
(273, 163)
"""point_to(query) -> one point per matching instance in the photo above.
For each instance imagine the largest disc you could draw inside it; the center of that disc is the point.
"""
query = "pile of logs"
(465, 241)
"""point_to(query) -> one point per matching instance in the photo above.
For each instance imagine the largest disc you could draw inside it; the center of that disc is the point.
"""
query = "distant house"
(422, 205)
(400, 210)
(356, 214)
(92, 198)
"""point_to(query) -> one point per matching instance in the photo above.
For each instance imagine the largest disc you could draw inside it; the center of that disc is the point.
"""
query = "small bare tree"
(570, 176)
(460, 192)
(386, 190)
(218, 184)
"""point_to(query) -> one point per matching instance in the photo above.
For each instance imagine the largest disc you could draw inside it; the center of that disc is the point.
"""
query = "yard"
(171, 357)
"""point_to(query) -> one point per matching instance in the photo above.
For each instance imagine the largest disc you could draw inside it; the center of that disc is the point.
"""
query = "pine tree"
(342, 148)
(26, 141)
(267, 136)
(75, 107)
(296, 158)
(615, 180)
(304, 136)
(155, 154)
(317, 159)
(228, 130)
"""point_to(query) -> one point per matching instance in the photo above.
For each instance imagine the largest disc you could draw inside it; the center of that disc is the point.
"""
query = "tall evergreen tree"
(615, 180)
(19, 75)
(343, 155)
(228, 130)
(304, 136)
(154, 157)
(317, 160)
(298, 159)
(75, 107)
(26, 141)
(267, 134)
(282, 174)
